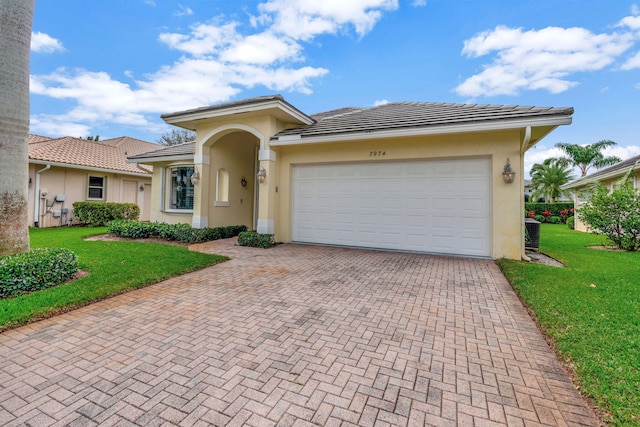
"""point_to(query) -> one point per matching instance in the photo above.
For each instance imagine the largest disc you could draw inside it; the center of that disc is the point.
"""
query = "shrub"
(174, 232)
(555, 220)
(616, 214)
(40, 268)
(571, 222)
(554, 208)
(102, 213)
(540, 218)
(256, 240)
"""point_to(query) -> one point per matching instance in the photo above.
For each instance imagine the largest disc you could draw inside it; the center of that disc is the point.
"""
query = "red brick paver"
(294, 336)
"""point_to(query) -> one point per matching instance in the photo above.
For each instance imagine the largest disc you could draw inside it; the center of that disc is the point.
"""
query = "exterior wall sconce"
(262, 175)
(30, 181)
(141, 187)
(243, 181)
(508, 173)
(195, 178)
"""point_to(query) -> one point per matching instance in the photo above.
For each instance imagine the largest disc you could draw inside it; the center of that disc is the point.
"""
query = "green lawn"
(114, 267)
(591, 309)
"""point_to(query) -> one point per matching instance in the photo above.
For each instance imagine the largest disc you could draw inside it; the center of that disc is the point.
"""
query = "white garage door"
(438, 206)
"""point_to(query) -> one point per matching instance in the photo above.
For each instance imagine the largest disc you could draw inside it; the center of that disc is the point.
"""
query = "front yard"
(113, 267)
(591, 311)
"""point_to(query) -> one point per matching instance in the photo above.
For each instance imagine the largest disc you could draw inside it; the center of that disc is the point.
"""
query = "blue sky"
(111, 68)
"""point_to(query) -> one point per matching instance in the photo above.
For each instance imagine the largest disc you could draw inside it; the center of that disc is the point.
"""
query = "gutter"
(87, 168)
(143, 169)
(36, 197)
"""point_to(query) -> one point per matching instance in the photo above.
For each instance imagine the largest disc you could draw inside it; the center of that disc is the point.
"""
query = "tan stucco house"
(67, 170)
(409, 176)
(609, 177)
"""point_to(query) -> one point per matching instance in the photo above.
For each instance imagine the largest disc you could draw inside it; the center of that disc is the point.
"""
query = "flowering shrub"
(531, 214)
(547, 214)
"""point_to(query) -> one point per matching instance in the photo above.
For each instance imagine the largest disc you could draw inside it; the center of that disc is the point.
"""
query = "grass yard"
(591, 309)
(114, 267)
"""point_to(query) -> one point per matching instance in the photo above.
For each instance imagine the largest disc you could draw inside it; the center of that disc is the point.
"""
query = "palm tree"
(16, 17)
(548, 177)
(588, 156)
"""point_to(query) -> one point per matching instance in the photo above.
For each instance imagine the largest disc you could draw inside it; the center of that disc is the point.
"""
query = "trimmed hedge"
(571, 222)
(38, 269)
(256, 240)
(102, 213)
(175, 232)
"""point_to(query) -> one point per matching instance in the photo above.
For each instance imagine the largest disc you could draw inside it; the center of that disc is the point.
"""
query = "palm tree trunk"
(16, 17)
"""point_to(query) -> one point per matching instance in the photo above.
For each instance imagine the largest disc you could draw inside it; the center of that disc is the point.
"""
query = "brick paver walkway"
(294, 335)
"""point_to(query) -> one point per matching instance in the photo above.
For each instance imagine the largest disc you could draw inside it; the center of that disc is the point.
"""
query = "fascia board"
(431, 130)
(87, 168)
(161, 159)
(251, 108)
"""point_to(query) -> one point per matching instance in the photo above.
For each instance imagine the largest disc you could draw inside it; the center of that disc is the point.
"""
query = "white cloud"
(183, 11)
(418, 3)
(635, 10)
(44, 43)
(150, 3)
(538, 59)
(631, 63)
(380, 102)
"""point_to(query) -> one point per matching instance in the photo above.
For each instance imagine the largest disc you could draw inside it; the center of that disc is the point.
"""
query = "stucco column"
(200, 217)
(267, 193)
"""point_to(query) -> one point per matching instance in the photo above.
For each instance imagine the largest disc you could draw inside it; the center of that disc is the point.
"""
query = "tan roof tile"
(108, 154)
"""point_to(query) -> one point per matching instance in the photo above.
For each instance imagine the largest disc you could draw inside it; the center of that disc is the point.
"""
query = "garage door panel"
(413, 205)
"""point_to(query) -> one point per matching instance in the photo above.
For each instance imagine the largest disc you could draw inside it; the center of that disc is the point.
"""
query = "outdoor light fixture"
(195, 178)
(243, 181)
(141, 187)
(262, 175)
(508, 173)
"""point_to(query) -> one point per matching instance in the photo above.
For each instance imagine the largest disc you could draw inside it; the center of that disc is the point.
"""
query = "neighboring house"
(527, 191)
(607, 176)
(67, 170)
(425, 177)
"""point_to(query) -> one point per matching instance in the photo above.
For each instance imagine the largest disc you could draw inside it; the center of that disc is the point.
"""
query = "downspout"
(523, 147)
(36, 197)
(143, 169)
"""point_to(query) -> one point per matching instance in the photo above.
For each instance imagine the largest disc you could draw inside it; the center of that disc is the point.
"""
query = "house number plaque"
(377, 153)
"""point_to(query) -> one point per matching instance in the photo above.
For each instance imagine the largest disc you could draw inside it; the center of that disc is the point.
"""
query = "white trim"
(199, 221)
(88, 168)
(202, 159)
(421, 131)
(266, 226)
(268, 155)
(154, 159)
(220, 204)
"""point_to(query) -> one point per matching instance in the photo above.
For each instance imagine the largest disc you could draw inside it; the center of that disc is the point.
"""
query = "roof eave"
(174, 158)
(88, 168)
(617, 173)
(289, 111)
(425, 130)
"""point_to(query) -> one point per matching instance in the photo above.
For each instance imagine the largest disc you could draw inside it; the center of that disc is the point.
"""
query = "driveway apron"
(295, 335)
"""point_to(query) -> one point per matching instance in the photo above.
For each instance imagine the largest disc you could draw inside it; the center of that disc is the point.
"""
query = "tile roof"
(613, 171)
(186, 149)
(404, 115)
(108, 154)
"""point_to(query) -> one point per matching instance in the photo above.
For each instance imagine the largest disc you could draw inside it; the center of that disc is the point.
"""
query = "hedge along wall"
(554, 208)
(102, 213)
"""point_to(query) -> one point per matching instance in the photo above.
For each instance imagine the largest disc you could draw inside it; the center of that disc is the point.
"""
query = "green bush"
(256, 240)
(540, 218)
(102, 213)
(616, 214)
(174, 232)
(40, 268)
(571, 222)
(555, 220)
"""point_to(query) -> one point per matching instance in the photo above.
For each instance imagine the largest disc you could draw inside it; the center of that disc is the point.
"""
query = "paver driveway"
(295, 335)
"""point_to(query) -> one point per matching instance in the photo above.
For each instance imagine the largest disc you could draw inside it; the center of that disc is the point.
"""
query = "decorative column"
(266, 191)
(202, 162)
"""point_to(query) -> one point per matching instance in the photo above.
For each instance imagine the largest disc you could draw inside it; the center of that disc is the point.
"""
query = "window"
(181, 196)
(222, 193)
(96, 187)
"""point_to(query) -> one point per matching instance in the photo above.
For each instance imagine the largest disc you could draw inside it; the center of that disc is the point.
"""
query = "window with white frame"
(96, 187)
(181, 188)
